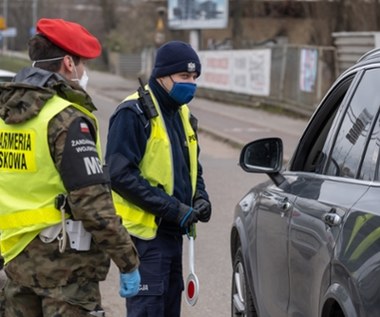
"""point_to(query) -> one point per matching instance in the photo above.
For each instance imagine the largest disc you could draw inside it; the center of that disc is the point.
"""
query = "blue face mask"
(183, 92)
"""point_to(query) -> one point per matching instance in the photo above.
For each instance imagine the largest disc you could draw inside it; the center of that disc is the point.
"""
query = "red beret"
(70, 36)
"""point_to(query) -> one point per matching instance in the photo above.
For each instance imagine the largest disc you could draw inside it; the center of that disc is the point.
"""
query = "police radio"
(146, 101)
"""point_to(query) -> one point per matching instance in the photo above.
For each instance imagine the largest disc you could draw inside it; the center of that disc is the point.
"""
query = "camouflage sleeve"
(90, 198)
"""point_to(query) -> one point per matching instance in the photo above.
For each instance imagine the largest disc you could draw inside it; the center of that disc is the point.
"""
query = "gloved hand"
(129, 283)
(186, 216)
(203, 208)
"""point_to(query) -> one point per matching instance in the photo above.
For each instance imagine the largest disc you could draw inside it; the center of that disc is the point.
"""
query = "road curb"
(220, 137)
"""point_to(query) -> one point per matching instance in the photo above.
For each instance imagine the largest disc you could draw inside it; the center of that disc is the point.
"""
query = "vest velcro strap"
(26, 218)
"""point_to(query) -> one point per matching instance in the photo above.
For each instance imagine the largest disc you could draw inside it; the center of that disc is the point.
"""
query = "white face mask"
(83, 81)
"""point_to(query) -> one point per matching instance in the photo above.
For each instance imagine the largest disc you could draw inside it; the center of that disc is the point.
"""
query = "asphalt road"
(224, 130)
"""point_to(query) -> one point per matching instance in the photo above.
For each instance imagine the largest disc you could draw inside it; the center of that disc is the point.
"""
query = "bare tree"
(109, 15)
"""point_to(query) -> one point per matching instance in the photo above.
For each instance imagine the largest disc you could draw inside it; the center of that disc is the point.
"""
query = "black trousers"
(161, 278)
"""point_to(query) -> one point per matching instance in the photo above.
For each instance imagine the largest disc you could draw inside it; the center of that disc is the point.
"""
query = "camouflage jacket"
(40, 264)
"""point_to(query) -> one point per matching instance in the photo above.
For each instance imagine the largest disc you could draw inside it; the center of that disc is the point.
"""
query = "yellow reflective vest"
(156, 167)
(29, 179)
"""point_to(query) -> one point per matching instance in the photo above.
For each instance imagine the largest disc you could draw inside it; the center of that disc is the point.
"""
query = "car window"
(356, 126)
(310, 155)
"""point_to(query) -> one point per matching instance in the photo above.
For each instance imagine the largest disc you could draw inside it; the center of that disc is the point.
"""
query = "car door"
(358, 250)
(357, 267)
(272, 251)
(326, 194)
(314, 227)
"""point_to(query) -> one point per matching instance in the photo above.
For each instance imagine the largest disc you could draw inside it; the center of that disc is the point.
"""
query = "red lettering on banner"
(215, 78)
(217, 62)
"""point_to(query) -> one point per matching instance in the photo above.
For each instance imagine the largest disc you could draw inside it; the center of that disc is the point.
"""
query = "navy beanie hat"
(176, 57)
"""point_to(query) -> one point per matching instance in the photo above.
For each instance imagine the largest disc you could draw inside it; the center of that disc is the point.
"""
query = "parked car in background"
(6, 75)
(306, 243)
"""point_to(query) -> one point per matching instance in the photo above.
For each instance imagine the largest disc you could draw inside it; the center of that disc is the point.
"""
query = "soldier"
(58, 224)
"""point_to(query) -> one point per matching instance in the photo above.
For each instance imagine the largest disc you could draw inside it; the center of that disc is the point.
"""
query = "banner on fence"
(308, 69)
(242, 71)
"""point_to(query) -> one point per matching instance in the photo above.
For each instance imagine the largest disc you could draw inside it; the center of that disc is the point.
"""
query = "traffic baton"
(192, 282)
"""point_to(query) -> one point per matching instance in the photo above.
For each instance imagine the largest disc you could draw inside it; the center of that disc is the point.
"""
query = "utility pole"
(237, 25)
(5, 16)
(159, 37)
(5, 10)
(34, 10)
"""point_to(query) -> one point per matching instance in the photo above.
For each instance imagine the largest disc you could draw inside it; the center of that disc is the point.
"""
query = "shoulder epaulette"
(135, 106)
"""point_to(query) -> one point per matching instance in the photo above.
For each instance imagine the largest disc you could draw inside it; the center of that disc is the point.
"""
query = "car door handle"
(284, 204)
(332, 219)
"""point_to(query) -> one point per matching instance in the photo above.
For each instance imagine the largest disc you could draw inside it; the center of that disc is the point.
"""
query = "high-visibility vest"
(156, 167)
(30, 181)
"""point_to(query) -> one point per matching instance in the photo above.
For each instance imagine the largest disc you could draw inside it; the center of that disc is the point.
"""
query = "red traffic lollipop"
(192, 282)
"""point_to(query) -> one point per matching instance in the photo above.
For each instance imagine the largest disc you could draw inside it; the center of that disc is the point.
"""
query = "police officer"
(58, 224)
(152, 154)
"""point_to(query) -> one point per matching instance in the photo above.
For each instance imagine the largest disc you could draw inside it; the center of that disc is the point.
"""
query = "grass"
(13, 64)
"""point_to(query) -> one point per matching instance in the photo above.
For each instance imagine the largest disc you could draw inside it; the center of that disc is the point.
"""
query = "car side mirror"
(263, 156)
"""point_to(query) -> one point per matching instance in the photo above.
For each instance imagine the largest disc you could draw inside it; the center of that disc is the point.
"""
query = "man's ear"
(68, 64)
(67, 67)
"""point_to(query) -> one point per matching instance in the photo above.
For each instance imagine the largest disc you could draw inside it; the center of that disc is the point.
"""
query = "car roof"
(369, 59)
(372, 54)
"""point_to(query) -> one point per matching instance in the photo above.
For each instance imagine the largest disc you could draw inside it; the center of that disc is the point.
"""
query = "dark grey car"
(307, 242)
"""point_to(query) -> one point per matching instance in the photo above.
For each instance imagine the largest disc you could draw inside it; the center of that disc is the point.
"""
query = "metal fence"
(288, 76)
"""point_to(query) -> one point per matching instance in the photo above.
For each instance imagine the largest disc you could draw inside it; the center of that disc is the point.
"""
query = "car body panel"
(312, 240)
(301, 232)
(340, 294)
(358, 254)
(272, 228)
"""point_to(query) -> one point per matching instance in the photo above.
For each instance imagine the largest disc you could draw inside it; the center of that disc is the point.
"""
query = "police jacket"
(129, 132)
(70, 143)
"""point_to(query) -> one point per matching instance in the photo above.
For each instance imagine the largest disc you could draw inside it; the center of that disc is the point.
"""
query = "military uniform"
(2, 284)
(66, 283)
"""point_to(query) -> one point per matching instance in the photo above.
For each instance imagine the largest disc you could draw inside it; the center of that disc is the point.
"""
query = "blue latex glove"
(129, 283)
